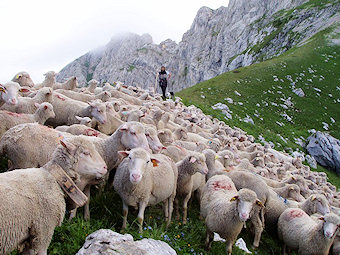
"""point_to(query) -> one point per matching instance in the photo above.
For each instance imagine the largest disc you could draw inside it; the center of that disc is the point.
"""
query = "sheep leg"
(166, 209)
(28, 252)
(87, 192)
(185, 207)
(125, 214)
(140, 217)
(208, 239)
(73, 214)
(170, 208)
(229, 246)
(42, 252)
(177, 208)
(258, 226)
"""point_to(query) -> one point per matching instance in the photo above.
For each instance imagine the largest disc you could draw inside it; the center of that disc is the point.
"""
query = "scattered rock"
(237, 93)
(105, 241)
(299, 92)
(311, 161)
(325, 149)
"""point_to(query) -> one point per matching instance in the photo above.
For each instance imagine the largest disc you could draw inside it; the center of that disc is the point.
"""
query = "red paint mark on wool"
(14, 114)
(295, 214)
(91, 132)
(60, 97)
(218, 185)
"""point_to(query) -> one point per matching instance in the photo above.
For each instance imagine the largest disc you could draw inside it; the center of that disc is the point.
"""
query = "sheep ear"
(91, 104)
(24, 90)
(124, 154)
(322, 218)
(2, 89)
(291, 188)
(293, 178)
(234, 198)
(313, 197)
(192, 160)
(155, 162)
(45, 107)
(160, 132)
(68, 146)
(259, 203)
(226, 156)
(36, 105)
(78, 118)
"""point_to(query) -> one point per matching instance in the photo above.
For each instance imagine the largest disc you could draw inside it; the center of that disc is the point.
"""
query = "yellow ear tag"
(17, 77)
(217, 157)
(60, 138)
(233, 199)
(154, 162)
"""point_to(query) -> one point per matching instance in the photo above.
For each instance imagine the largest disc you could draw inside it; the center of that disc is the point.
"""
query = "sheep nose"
(135, 176)
(244, 215)
(13, 101)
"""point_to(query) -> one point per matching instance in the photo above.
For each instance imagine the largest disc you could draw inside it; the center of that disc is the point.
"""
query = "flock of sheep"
(150, 151)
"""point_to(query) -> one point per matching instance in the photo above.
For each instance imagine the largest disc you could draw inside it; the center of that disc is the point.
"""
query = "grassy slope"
(313, 65)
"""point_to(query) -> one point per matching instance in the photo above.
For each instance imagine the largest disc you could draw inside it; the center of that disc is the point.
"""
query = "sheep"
(92, 85)
(243, 179)
(80, 129)
(66, 109)
(27, 104)
(40, 202)
(175, 152)
(217, 183)
(70, 84)
(112, 123)
(165, 136)
(226, 158)
(199, 147)
(227, 215)
(85, 121)
(276, 205)
(300, 232)
(103, 96)
(151, 135)
(213, 165)
(9, 93)
(24, 79)
(143, 179)
(290, 191)
(49, 81)
(191, 171)
(10, 119)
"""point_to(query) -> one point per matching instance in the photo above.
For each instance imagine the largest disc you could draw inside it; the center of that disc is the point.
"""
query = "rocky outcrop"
(325, 149)
(105, 241)
(245, 32)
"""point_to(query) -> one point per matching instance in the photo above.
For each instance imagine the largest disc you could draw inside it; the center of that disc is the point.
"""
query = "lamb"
(103, 96)
(9, 93)
(300, 232)
(140, 180)
(191, 171)
(84, 121)
(70, 84)
(24, 79)
(27, 104)
(80, 129)
(40, 202)
(10, 119)
(228, 213)
(66, 109)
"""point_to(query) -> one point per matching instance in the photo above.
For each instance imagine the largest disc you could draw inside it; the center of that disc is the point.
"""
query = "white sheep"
(143, 179)
(191, 171)
(49, 81)
(27, 104)
(10, 119)
(24, 79)
(33, 203)
(227, 214)
(66, 109)
(70, 84)
(9, 93)
(103, 96)
(300, 232)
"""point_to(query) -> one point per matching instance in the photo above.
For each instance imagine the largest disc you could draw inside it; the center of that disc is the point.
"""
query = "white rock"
(241, 244)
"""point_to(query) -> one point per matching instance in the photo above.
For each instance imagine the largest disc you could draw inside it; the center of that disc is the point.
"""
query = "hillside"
(263, 93)
(218, 41)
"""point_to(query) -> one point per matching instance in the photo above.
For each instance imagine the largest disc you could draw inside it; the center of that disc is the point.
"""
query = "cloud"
(42, 35)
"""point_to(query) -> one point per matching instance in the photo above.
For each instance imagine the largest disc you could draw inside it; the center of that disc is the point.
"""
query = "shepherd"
(163, 76)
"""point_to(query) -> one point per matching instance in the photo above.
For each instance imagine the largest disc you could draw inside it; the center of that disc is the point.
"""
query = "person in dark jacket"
(163, 77)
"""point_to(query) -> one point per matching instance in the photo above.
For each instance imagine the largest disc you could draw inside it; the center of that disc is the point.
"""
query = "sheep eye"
(148, 161)
(87, 153)
(147, 134)
(133, 133)
(129, 157)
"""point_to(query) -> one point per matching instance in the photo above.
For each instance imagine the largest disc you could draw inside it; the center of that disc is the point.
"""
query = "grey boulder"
(105, 241)
(325, 149)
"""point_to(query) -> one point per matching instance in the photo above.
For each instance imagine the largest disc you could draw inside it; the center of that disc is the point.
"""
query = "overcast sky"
(42, 35)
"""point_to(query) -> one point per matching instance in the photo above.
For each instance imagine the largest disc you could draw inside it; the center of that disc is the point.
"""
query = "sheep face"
(199, 163)
(330, 225)
(11, 95)
(133, 135)
(321, 204)
(23, 79)
(90, 165)
(294, 193)
(246, 199)
(98, 111)
(84, 121)
(138, 161)
(165, 136)
(153, 141)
